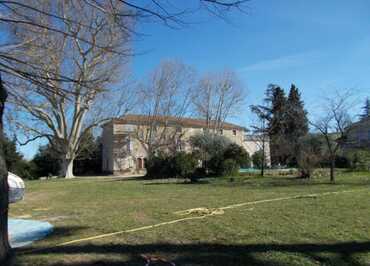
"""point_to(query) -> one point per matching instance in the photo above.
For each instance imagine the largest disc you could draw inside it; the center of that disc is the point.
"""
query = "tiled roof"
(170, 121)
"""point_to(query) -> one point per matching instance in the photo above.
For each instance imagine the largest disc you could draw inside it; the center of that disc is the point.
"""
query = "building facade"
(127, 141)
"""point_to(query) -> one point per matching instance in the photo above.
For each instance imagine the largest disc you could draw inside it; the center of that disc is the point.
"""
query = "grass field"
(331, 229)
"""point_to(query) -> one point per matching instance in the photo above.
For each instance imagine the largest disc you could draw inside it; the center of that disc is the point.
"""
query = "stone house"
(127, 141)
(254, 143)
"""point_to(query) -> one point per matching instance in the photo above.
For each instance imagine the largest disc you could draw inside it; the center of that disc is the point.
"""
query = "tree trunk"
(263, 159)
(67, 168)
(332, 170)
(4, 245)
(4, 200)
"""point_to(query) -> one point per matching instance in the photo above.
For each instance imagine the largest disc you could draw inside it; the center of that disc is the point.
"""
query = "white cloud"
(288, 61)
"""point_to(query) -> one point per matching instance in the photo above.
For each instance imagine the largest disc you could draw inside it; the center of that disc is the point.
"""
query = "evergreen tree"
(47, 161)
(277, 124)
(296, 122)
(366, 108)
(15, 161)
(88, 162)
(12, 156)
(89, 159)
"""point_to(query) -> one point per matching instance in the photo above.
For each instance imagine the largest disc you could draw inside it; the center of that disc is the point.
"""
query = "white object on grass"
(16, 188)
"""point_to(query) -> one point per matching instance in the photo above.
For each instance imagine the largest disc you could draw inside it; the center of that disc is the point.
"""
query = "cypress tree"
(296, 122)
(277, 124)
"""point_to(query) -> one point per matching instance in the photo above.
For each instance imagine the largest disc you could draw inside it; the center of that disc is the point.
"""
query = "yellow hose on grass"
(204, 214)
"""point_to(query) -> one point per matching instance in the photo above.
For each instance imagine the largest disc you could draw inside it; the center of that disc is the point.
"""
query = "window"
(221, 131)
(178, 129)
(129, 144)
(234, 132)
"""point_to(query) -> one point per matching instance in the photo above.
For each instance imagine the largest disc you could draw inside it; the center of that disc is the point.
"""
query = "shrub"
(229, 167)
(228, 161)
(26, 170)
(309, 155)
(15, 161)
(218, 155)
(157, 166)
(215, 150)
(180, 164)
(215, 164)
(46, 161)
(89, 159)
(184, 165)
(359, 160)
(238, 154)
(210, 148)
(342, 161)
(257, 159)
(209, 143)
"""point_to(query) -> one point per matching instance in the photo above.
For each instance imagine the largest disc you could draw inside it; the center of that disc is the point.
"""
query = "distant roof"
(171, 121)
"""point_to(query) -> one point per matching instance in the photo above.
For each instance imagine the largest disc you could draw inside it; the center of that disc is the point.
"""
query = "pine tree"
(366, 108)
(296, 122)
(12, 156)
(277, 124)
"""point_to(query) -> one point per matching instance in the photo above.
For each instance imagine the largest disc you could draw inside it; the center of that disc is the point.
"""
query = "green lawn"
(326, 230)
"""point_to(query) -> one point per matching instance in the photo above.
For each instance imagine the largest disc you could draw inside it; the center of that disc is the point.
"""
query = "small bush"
(230, 167)
(46, 161)
(157, 166)
(309, 155)
(359, 160)
(218, 156)
(26, 170)
(238, 154)
(214, 164)
(257, 159)
(181, 164)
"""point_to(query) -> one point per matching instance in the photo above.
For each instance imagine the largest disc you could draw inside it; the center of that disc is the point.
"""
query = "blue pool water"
(23, 232)
(249, 170)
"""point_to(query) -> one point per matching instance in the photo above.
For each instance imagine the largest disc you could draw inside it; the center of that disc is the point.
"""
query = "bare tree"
(219, 96)
(66, 113)
(309, 154)
(332, 126)
(25, 13)
(36, 15)
(261, 133)
(165, 99)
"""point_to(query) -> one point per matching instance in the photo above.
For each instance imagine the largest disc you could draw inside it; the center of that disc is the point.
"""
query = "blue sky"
(321, 46)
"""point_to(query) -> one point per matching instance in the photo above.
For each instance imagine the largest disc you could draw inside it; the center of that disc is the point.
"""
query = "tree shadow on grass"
(181, 182)
(283, 182)
(57, 234)
(209, 254)
(65, 231)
